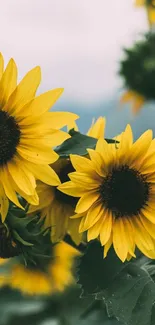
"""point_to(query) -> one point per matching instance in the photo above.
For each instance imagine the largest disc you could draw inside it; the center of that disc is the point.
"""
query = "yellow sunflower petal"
(140, 148)
(126, 97)
(94, 231)
(95, 213)
(126, 141)
(119, 239)
(32, 199)
(139, 2)
(84, 180)
(148, 226)
(107, 246)
(82, 222)
(106, 228)
(8, 82)
(71, 189)
(72, 125)
(138, 102)
(4, 204)
(82, 164)
(24, 179)
(41, 104)
(6, 182)
(106, 151)
(142, 237)
(73, 230)
(149, 213)
(129, 234)
(151, 14)
(44, 173)
(1, 65)
(97, 161)
(37, 155)
(86, 201)
(97, 129)
(24, 92)
(57, 120)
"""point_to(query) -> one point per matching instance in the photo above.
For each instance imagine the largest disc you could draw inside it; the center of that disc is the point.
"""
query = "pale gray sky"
(76, 42)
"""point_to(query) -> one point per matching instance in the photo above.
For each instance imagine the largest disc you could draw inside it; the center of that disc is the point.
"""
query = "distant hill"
(117, 116)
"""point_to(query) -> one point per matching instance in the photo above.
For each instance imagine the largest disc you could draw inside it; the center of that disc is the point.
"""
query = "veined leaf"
(127, 289)
(78, 144)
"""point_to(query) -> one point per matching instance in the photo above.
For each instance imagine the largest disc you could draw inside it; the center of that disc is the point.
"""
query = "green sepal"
(20, 239)
(78, 144)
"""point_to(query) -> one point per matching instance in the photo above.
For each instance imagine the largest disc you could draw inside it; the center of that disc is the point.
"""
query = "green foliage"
(24, 235)
(64, 309)
(128, 289)
(140, 59)
(78, 144)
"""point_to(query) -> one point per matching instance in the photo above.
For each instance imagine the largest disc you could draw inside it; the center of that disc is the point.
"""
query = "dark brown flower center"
(125, 191)
(9, 137)
(63, 175)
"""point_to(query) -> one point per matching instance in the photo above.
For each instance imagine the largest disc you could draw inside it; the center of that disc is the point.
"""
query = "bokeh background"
(78, 44)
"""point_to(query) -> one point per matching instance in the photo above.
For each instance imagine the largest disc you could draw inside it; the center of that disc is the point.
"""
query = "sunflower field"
(77, 211)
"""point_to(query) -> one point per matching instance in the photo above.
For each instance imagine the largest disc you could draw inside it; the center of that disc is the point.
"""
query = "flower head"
(116, 190)
(140, 84)
(56, 207)
(36, 281)
(27, 133)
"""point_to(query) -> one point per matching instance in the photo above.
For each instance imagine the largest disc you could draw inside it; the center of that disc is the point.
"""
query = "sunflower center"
(63, 175)
(9, 137)
(125, 191)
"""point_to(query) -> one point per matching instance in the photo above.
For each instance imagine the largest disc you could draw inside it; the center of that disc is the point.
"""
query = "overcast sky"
(76, 42)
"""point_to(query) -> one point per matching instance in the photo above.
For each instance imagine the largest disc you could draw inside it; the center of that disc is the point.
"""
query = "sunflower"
(27, 133)
(150, 5)
(56, 207)
(116, 187)
(140, 84)
(34, 281)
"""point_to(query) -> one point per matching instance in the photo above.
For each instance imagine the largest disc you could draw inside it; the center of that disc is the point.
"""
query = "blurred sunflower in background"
(150, 7)
(56, 207)
(116, 190)
(27, 133)
(140, 85)
(51, 277)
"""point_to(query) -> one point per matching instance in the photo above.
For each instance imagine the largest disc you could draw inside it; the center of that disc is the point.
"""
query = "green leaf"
(127, 289)
(131, 296)
(96, 273)
(77, 144)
